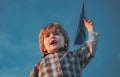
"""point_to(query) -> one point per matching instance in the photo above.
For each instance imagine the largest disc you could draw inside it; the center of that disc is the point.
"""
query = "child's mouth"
(53, 42)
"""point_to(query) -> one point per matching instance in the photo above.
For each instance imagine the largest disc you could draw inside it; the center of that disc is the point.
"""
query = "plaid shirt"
(65, 63)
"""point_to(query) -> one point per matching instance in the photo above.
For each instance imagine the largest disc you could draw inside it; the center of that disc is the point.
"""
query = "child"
(57, 61)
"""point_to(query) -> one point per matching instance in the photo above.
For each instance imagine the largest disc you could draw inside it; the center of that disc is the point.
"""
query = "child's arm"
(87, 50)
(91, 33)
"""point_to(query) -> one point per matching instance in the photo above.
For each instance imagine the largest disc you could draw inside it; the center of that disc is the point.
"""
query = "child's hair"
(47, 29)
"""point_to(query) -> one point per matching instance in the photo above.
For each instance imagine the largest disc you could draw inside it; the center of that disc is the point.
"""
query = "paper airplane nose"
(81, 31)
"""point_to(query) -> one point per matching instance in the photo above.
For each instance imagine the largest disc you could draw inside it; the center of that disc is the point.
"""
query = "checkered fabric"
(67, 63)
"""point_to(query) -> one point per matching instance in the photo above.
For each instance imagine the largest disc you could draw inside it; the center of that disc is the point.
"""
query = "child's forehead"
(51, 30)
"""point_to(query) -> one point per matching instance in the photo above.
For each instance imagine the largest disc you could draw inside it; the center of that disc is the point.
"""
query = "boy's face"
(53, 40)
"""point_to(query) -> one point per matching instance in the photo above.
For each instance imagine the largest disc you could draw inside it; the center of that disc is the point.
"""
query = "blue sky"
(21, 21)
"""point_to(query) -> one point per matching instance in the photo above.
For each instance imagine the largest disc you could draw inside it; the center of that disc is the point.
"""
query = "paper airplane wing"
(80, 34)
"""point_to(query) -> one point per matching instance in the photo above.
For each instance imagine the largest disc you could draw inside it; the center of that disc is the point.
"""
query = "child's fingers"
(89, 21)
(84, 20)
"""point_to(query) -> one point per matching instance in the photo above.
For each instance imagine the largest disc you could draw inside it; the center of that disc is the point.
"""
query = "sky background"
(21, 21)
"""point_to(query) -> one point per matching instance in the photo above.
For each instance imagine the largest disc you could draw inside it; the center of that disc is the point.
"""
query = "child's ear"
(44, 49)
(65, 46)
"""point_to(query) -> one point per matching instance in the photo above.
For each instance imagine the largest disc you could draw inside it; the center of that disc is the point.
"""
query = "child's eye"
(46, 36)
(56, 33)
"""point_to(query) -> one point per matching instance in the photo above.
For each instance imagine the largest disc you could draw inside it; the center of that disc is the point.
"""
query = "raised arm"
(87, 50)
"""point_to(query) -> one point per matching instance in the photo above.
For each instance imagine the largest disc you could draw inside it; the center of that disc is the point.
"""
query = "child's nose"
(52, 35)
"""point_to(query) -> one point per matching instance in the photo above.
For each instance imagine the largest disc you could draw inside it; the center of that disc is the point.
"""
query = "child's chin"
(54, 48)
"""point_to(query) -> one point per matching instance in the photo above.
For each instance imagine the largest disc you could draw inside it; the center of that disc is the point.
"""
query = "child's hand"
(89, 25)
